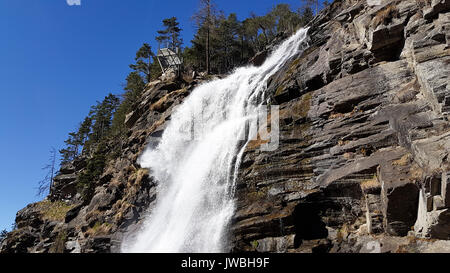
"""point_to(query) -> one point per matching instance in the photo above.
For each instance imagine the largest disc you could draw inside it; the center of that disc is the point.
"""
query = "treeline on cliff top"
(221, 43)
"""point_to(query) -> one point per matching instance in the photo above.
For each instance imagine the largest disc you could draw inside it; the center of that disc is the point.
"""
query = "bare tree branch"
(45, 184)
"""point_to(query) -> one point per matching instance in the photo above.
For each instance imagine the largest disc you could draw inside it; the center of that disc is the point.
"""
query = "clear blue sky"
(57, 60)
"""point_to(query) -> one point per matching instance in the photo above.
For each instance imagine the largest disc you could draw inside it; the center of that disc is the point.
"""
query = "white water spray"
(196, 177)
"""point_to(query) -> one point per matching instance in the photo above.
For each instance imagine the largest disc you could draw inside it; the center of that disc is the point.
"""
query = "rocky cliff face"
(363, 157)
(363, 163)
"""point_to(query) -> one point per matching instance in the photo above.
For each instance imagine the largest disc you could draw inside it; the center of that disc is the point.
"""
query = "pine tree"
(194, 56)
(250, 33)
(312, 4)
(170, 36)
(95, 166)
(162, 39)
(101, 115)
(229, 42)
(205, 18)
(45, 184)
(84, 130)
(265, 27)
(228, 50)
(155, 70)
(134, 87)
(306, 15)
(71, 150)
(3, 235)
(286, 20)
(133, 90)
(76, 141)
(143, 60)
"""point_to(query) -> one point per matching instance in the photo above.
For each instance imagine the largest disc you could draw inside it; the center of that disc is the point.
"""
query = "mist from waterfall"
(196, 162)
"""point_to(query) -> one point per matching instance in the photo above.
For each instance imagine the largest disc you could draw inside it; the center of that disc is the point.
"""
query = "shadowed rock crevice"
(308, 223)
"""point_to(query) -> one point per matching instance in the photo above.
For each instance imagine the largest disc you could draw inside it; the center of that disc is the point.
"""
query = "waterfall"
(196, 162)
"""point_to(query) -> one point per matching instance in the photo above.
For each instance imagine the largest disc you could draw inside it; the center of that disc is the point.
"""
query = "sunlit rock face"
(362, 163)
(364, 129)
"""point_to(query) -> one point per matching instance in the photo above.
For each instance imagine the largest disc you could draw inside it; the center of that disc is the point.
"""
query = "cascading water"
(197, 160)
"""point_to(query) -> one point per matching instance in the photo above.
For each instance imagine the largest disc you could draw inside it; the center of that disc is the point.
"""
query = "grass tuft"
(370, 184)
(54, 211)
(385, 15)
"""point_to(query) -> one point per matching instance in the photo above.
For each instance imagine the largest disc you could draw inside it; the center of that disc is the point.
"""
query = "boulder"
(63, 179)
(99, 244)
(20, 240)
(68, 168)
(103, 199)
(30, 216)
(72, 213)
(432, 153)
(386, 36)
